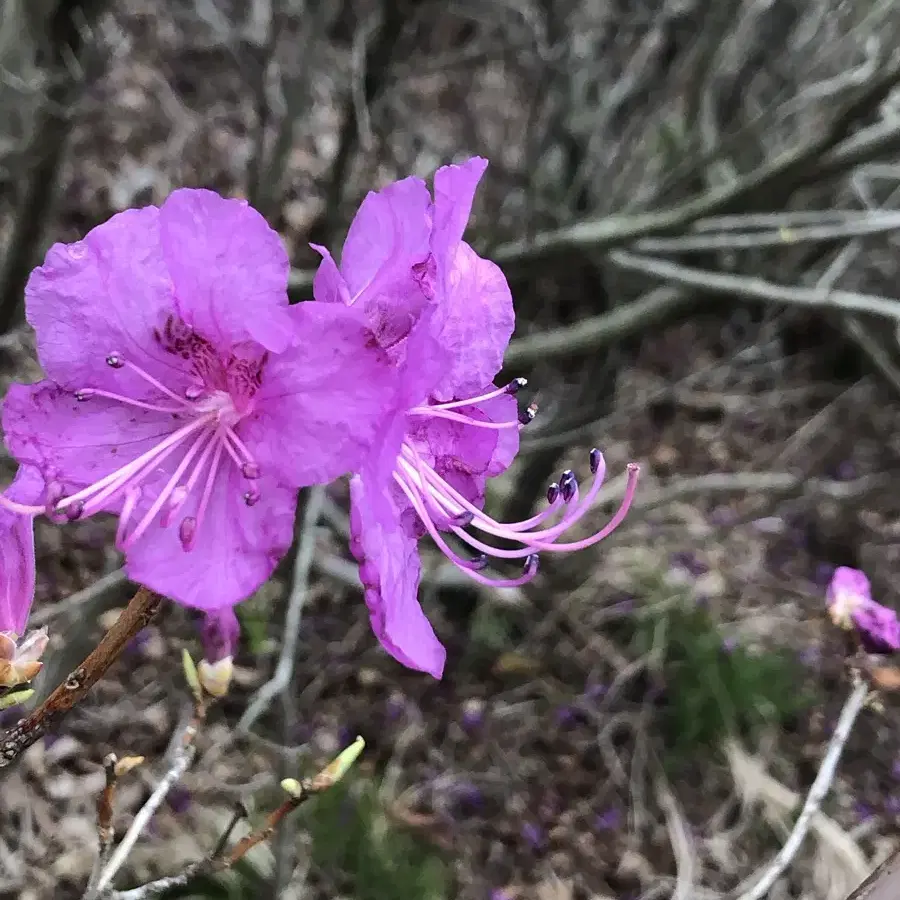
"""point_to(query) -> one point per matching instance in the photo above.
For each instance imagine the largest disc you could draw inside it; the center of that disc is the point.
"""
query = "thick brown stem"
(138, 614)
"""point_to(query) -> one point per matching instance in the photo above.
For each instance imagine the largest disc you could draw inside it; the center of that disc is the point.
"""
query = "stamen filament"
(86, 393)
(456, 417)
(510, 388)
(165, 493)
(184, 404)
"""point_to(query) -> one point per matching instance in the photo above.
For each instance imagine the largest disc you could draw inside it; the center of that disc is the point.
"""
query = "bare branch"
(816, 794)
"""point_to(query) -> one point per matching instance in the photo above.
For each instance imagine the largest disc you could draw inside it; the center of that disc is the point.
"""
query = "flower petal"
(104, 294)
(476, 321)
(17, 566)
(323, 402)
(390, 571)
(454, 191)
(76, 443)
(328, 283)
(235, 551)
(388, 236)
(229, 269)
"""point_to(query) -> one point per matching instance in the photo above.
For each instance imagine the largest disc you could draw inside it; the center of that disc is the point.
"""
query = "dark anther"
(516, 385)
(114, 361)
(596, 459)
(552, 493)
(527, 415)
(251, 497)
(80, 396)
(568, 485)
(462, 520)
(531, 565)
(250, 470)
(477, 563)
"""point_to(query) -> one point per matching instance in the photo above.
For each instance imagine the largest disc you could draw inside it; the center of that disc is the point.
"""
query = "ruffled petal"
(475, 321)
(105, 294)
(390, 570)
(328, 283)
(229, 269)
(17, 565)
(388, 236)
(323, 403)
(77, 443)
(454, 191)
(236, 547)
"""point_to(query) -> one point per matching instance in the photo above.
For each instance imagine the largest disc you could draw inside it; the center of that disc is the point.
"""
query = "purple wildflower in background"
(444, 316)
(185, 395)
(850, 605)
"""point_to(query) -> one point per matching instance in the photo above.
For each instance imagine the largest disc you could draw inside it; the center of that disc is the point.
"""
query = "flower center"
(442, 508)
(206, 439)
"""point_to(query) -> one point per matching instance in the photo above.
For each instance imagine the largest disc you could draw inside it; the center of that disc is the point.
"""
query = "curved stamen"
(457, 417)
(556, 502)
(249, 460)
(118, 361)
(83, 394)
(512, 388)
(469, 567)
(491, 526)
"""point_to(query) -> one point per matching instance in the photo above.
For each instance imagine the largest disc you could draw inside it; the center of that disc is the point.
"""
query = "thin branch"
(883, 883)
(281, 680)
(140, 611)
(750, 288)
(862, 224)
(816, 794)
(181, 761)
(105, 832)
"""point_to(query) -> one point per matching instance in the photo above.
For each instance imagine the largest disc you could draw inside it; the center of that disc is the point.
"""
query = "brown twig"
(138, 614)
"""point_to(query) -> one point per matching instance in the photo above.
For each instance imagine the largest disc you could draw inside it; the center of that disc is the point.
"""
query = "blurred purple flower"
(850, 605)
(608, 820)
(179, 799)
(823, 574)
(533, 835)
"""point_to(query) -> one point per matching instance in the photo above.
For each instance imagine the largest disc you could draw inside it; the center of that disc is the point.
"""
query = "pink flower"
(850, 605)
(444, 316)
(184, 394)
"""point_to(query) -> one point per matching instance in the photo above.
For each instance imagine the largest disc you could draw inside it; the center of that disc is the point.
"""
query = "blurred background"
(696, 206)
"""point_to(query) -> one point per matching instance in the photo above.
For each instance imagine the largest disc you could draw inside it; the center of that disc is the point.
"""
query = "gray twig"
(302, 566)
(816, 794)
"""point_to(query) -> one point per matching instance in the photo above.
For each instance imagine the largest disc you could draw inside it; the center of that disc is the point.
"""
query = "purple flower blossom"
(533, 835)
(850, 605)
(183, 391)
(444, 316)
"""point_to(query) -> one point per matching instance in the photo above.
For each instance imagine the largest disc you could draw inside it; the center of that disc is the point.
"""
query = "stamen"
(231, 434)
(117, 361)
(252, 497)
(210, 478)
(83, 394)
(134, 472)
(132, 496)
(512, 388)
(456, 417)
(250, 470)
(526, 417)
(199, 444)
(176, 501)
(552, 492)
(568, 486)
